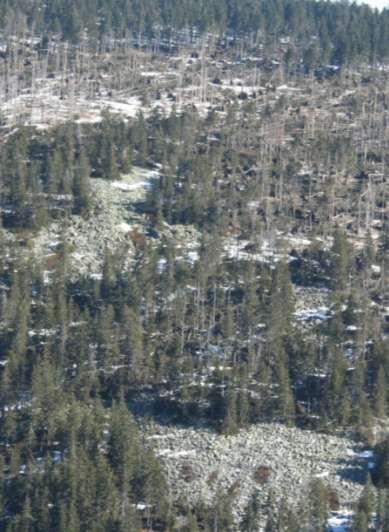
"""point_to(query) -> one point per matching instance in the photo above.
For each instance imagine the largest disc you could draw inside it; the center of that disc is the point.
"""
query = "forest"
(216, 260)
(336, 32)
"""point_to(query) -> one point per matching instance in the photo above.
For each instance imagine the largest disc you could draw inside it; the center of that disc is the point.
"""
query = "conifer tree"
(250, 520)
(281, 306)
(286, 406)
(340, 261)
(81, 188)
(381, 393)
(366, 501)
(318, 504)
(361, 523)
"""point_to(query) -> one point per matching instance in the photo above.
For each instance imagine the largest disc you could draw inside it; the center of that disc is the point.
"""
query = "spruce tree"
(381, 393)
(361, 523)
(318, 504)
(81, 186)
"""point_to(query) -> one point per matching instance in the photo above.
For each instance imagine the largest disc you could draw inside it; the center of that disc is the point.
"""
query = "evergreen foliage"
(334, 32)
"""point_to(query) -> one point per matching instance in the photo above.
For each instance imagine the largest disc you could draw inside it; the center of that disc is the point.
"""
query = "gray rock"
(295, 456)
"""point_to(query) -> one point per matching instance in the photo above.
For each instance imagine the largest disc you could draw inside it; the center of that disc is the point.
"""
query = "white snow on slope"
(340, 521)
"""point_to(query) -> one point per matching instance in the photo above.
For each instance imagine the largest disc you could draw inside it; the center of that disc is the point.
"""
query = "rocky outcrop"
(112, 219)
(114, 223)
(200, 463)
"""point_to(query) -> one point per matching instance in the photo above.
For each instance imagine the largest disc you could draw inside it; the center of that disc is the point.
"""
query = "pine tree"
(154, 484)
(286, 520)
(366, 501)
(336, 385)
(381, 472)
(229, 425)
(361, 523)
(383, 510)
(281, 306)
(39, 214)
(222, 518)
(55, 171)
(135, 341)
(381, 393)
(81, 186)
(26, 520)
(250, 520)
(286, 405)
(108, 283)
(108, 150)
(107, 500)
(192, 525)
(123, 446)
(365, 419)
(140, 134)
(340, 261)
(108, 350)
(318, 504)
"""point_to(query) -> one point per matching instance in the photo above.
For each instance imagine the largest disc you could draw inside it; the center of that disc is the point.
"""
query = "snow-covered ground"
(44, 109)
(240, 250)
(340, 521)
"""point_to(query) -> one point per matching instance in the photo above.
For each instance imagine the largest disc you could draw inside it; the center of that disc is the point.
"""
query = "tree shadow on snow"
(353, 469)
